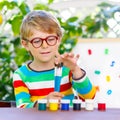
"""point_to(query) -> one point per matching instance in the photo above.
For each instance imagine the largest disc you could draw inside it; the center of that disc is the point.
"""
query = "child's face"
(45, 52)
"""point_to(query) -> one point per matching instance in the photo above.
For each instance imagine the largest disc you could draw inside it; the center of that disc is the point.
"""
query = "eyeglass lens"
(50, 40)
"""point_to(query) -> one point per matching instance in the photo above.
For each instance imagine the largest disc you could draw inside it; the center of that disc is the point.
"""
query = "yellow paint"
(108, 78)
(53, 106)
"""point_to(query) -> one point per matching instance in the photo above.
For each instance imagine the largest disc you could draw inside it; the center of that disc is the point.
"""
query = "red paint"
(89, 51)
(101, 106)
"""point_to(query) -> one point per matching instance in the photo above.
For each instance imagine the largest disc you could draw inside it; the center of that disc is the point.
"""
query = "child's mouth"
(44, 52)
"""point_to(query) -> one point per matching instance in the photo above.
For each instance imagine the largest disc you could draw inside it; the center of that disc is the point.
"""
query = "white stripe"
(40, 85)
(16, 77)
(45, 84)
(65, 80)
(80, 80)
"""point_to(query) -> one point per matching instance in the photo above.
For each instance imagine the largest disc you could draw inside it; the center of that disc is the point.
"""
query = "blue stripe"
(28, 72)
(85, 90)
(22, 95)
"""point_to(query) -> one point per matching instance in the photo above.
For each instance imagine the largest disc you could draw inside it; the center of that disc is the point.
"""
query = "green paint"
(106, 51)
(42, 106)
(97, 72)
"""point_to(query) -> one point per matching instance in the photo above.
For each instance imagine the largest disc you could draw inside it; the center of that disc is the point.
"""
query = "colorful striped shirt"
(29, 85)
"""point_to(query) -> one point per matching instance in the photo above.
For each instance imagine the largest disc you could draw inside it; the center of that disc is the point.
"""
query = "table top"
(34, 114)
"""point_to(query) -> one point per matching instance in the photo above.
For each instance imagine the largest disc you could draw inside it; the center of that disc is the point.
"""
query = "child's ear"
(25, 44)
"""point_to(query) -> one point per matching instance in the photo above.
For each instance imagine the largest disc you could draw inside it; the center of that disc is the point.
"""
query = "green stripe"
(30, 105)
(65, 71)
(41, 77)
(81, 84)
(37, 78)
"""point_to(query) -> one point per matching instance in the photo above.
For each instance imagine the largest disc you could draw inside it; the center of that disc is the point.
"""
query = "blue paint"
(65, 106)
(109, 92)
(76, 106)
(112, 64)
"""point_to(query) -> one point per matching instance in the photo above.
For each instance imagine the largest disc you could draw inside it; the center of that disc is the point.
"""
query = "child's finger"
(57, 94)
(64, 55)
(77, 57)
(71, 55)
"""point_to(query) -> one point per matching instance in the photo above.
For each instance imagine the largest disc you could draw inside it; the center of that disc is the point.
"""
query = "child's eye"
(50, 39)
(37, 41)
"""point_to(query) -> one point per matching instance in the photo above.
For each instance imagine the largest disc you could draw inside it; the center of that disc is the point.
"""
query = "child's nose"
(44, 44)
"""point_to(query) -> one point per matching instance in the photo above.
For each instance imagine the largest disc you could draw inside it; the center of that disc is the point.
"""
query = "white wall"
(102, 67)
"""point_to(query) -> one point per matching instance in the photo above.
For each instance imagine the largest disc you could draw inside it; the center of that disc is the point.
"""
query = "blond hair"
(39, 20)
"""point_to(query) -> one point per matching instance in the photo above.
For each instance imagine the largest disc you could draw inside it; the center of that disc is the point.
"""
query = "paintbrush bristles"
(59, 65)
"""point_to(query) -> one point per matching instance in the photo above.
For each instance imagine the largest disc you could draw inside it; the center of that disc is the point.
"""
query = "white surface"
(109, 78)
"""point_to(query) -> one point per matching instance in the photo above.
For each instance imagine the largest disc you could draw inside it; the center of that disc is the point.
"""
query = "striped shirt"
(29, 85)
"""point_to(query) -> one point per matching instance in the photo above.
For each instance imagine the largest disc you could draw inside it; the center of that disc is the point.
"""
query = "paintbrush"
(58, 76)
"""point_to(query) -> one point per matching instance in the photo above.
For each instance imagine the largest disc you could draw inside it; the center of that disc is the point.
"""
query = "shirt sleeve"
(21, 92)
(84, 87)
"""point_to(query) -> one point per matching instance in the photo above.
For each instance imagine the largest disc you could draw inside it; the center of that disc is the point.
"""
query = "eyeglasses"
(37, 42)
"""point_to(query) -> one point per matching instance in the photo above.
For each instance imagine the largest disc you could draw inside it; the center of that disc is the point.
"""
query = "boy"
(41, 35)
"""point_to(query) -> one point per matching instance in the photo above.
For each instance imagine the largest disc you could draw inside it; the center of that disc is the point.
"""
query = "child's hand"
(55, 95)
(68, 59)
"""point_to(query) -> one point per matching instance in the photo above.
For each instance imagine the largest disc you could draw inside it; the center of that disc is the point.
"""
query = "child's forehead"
(38, 31)
(42, 34)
